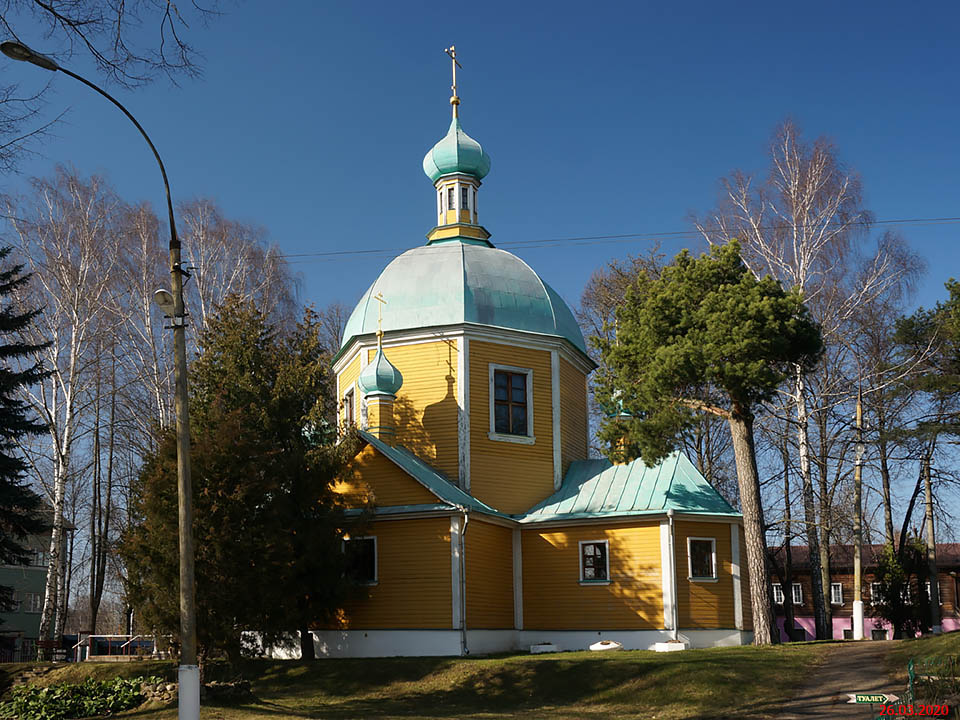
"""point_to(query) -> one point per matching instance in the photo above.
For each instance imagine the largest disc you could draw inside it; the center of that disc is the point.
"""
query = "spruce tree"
(20, 508)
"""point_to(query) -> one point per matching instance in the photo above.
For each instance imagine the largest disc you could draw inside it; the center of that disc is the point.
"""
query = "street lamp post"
(189, 673)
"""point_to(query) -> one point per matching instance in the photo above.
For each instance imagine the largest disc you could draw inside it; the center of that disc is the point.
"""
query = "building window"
(511, 404)
(594, 561)
(464, 204)
(939, 592)
(778, 593)
(32, 602)
(348, 408)
(876, 592)
(836, 594)
(361, 559)
(797, 594)
(702, 558)
(450, 198)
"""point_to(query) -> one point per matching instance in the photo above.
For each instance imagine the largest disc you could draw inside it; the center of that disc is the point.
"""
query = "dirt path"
(850, 668)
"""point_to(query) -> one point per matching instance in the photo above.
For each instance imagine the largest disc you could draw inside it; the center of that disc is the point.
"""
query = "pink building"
(841, 591)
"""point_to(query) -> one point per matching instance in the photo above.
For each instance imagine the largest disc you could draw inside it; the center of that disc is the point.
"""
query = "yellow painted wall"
(425, 411)
(745, 585)
(573, 414)
(511, 477)
(414, 585)
(553, 597)
(370, 476)
(704, 604)
(489, 566)
(348, 379)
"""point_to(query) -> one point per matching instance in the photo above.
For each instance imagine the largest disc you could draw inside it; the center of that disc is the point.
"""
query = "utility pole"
(858, 523)
(931, 551)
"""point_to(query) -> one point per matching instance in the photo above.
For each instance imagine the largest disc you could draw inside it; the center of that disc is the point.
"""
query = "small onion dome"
(380, 377)
(457, 152)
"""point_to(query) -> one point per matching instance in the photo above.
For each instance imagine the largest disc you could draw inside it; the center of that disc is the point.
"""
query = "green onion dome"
(457, 152)
(380, 377)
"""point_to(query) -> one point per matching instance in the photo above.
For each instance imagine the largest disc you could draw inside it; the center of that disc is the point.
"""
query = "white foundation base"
(858, 619)
(188, 696)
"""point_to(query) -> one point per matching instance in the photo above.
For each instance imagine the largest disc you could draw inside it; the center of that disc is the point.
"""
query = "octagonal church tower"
(466, 376)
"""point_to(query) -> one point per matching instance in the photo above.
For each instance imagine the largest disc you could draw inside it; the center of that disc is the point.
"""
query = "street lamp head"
(164, 299)
(19, 51)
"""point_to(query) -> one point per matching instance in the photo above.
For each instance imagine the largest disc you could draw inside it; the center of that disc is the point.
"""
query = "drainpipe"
(673, 575)
(464, 650)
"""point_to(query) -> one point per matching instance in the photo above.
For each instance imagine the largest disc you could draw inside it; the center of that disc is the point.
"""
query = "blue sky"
(312, 118)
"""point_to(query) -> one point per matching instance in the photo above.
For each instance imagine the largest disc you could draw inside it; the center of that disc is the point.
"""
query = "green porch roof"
(598, 488)
(452, 496)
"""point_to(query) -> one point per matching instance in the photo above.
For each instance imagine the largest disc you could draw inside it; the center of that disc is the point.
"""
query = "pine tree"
(20, 508)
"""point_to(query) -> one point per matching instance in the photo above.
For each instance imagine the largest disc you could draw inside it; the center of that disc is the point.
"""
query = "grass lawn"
(710, 683)
(937, 646)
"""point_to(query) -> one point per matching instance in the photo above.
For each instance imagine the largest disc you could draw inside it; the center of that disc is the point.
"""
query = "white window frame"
(376, 556)
(778, 594)
(839, 587)
(795, 591)
(529, 438)
(606, 555)
(713, 560)
(939, 591)
(32, 602)
(875, 591)
(351, 418)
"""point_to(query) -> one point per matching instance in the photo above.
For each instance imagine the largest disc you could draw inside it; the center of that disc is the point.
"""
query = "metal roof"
(597, 488)
(432, 480)
(456, 152)
(457, 282)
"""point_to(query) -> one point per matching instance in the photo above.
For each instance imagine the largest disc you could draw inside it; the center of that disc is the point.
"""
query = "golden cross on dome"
(455, 101)
(380, 299)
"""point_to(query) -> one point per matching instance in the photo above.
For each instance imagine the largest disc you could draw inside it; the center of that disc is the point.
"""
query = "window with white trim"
(876, 592)
(836, 593)
(32, 602)
(797, 594)
(450, 197)
(464, 202)
(511, 404)
(361, 559)
(348, 408)
(701, 558)
(778, 593)
(594, 561)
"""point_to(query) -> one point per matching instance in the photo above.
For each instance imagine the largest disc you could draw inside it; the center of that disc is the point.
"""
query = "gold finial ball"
(454, 100)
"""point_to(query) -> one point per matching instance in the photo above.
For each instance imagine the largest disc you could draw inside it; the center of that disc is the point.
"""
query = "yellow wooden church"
(492, 529)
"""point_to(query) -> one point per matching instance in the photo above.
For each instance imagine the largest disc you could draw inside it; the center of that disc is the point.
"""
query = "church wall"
(573, 414)
(371, 476)
(413, 587)
(510, 476)
(489, 565)
(348, 379)
(425, 411)
(555, 599)
(705, 604)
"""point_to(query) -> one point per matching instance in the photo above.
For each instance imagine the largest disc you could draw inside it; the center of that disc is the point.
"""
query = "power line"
(595, 239)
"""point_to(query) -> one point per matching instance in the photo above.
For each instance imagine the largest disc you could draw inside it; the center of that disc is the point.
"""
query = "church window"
(510, 409)
(450, 198)
(361, 559)
(778, 593)
(464, 204)
(797, 594)
(702, 558)
(594, 561)
(348, 407)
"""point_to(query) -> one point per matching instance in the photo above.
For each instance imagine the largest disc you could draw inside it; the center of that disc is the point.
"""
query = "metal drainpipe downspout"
(464, 650)
(673, 573)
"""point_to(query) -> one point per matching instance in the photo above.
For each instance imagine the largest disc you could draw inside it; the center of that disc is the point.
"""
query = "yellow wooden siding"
(372, 477)
(554, 599)
(745, 586)
(573, 414)
(348, 379)
(489, 565)
(425, 411)
(704, 604)
(413, 578)
(511, 477)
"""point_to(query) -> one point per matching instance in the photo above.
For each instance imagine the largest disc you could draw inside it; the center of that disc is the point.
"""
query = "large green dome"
(456, 282)
(456, 152)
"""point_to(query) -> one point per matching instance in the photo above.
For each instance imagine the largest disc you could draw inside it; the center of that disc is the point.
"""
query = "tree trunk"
(826, 519)
(741, 430)
(54, 563)
(885, 474)
(788, 617)
(809, 512)
(306, 644)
